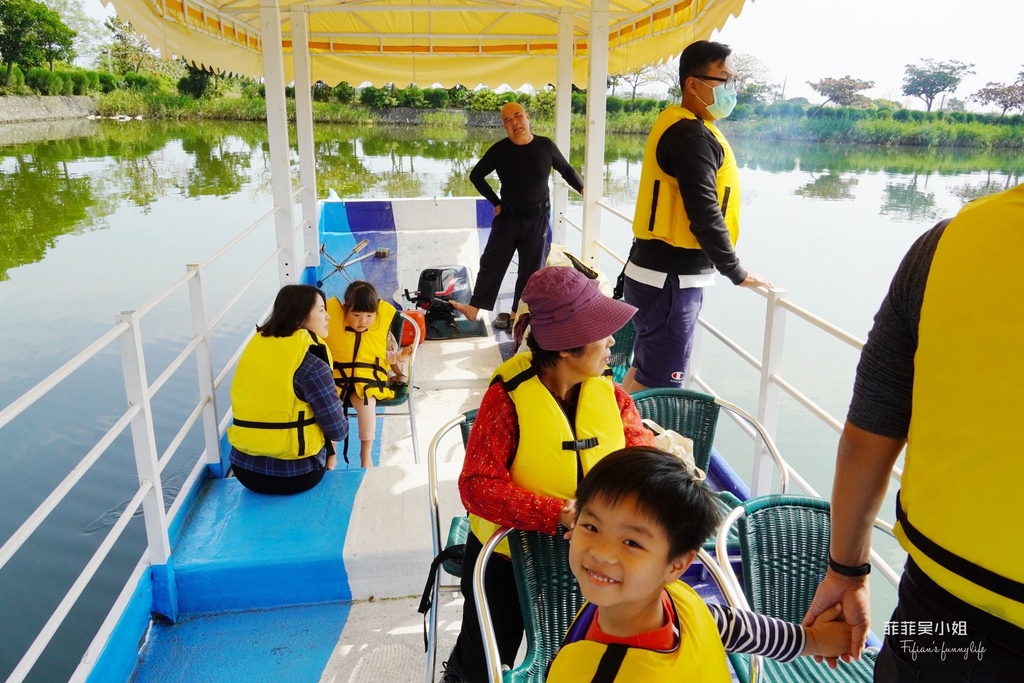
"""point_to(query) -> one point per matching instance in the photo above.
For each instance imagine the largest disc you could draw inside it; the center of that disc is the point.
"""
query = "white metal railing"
(138, 418)
(772, 382)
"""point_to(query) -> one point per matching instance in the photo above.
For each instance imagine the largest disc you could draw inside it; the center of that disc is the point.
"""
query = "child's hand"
(332, 461)
(829, 636)
(406, 353)
(567, 516)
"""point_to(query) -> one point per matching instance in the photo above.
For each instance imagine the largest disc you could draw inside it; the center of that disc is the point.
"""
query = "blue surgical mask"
(725, 102)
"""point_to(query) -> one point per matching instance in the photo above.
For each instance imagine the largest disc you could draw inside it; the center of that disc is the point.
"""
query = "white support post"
(304, 132)
(693, 364)
(769, 392)
(277, 129)
(597, 86)
(204, 365)
(136, 388)
(563, 119)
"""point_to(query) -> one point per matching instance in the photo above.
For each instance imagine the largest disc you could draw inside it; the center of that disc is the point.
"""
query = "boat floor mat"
(460, 328)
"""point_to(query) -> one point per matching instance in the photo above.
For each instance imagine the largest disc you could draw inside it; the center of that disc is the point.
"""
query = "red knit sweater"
(486, 485)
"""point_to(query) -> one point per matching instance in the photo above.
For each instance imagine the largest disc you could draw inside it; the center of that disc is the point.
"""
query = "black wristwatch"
(846, 570)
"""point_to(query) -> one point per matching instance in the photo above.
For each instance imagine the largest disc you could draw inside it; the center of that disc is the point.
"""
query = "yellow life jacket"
(554, 455)
(269, 419)
(963, 445)
(360, 358)
(698, 654)
(660, 213)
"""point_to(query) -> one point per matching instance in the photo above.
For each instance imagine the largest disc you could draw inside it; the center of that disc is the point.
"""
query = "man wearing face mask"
(686, 220)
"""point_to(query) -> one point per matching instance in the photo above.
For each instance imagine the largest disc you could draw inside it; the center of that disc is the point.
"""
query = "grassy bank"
(872, 131)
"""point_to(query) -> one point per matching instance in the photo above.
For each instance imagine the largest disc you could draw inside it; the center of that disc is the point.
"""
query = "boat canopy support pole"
(304, 131)
(563, 117)
(597, 86)
(277, 129)
(769, 394)
(147, 464)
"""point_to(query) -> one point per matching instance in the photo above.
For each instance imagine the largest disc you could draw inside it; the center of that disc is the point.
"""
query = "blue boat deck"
(324, 585)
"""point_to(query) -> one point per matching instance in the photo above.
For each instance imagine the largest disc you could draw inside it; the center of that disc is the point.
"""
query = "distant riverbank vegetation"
(38, 46)
(883, 123)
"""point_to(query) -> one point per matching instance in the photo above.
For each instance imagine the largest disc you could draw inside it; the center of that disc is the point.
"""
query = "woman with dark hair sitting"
(548, 416)
(286, 409)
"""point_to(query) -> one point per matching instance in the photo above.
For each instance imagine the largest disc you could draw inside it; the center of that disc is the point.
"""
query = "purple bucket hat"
(567, 310)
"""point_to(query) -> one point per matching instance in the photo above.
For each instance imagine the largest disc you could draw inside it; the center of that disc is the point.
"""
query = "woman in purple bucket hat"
(548, 416)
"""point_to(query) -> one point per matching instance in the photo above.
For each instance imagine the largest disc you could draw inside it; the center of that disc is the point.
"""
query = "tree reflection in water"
(55, 187)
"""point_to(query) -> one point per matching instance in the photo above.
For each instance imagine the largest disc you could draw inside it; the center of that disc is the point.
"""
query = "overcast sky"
(807, 40)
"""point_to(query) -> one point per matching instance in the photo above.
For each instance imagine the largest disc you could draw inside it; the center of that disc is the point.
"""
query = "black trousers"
(467, 658)
(285, 486)
(528, 237)
(964, 643)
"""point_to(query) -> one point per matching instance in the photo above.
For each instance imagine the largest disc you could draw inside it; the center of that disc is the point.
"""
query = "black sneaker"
(449, 676)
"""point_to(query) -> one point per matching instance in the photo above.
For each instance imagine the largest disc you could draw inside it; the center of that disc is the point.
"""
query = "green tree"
(131, 50)
(752, 84)
(634, 78)
(845, 91)
(56, 39)
(1006, 97)
(932, 78)
(89, 32)
(195, 83)
(668, 73)
(19, 34)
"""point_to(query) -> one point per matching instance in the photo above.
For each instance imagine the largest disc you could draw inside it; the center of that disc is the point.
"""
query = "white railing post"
(693, 364)
(768, 394)
(204, 365)
(304, 133)
(597, 89)
(136, 387)
(277, 129)
(563, 118)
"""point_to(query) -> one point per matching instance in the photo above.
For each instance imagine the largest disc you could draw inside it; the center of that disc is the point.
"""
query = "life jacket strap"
(961, 566)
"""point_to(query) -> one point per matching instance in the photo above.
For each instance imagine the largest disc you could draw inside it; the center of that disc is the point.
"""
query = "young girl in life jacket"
(366, 356)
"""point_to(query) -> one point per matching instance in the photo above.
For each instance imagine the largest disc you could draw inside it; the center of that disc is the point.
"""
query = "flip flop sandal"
(503, 321)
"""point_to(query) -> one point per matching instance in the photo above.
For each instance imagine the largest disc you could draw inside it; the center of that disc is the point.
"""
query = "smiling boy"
(642, 516)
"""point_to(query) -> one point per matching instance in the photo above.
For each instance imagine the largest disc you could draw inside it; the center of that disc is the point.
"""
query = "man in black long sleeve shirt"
(523, 162)
(686, 221)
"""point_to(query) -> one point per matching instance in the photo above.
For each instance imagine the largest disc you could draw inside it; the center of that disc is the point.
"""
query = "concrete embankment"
(14, 109)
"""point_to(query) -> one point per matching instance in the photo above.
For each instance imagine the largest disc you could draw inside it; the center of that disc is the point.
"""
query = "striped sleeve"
(749, 633)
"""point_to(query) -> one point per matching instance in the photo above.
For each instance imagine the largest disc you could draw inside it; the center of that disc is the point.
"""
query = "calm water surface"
(102, 218)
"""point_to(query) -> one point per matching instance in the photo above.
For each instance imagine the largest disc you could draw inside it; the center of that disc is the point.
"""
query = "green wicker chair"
(784, 544)
(457, 533)
(622, 352)
(549, 597)
(695, 415)
(691, 413)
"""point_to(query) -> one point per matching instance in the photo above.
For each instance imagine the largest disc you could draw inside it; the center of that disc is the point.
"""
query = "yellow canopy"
(472, 42)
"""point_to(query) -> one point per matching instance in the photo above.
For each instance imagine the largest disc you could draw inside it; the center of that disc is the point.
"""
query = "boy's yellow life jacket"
(963, 446)
(269, 419)
(553, 454)
(660, 213)
(361, 365)
(698, 654)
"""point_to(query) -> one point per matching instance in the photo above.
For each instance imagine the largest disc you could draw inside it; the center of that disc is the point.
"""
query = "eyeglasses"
(730, 83)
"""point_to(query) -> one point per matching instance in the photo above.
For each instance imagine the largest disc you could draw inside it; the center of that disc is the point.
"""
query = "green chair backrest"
(548, 595)
(622, 352)
(691, 413)
(467, 426)
(784, 542)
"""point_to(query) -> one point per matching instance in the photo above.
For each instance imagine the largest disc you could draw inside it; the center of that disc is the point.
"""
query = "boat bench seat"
(243, 550)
